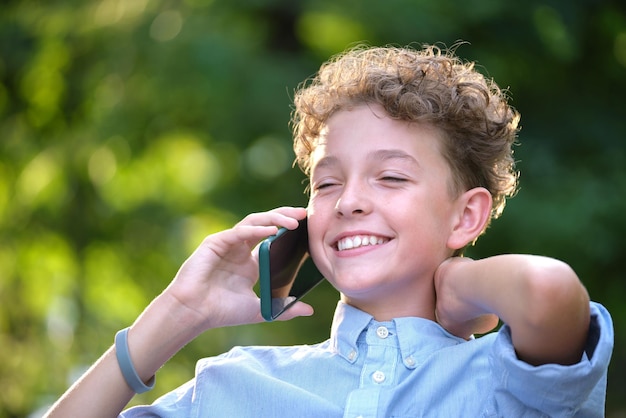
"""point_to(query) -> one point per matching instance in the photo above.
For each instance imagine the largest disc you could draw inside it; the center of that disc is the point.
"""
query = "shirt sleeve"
(551, 389)
(175, 404)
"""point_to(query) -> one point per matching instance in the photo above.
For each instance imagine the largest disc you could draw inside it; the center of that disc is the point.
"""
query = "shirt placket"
(377, 374)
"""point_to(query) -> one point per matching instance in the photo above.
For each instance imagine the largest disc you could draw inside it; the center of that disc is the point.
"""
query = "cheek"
(316, 237)
(315, 219)
(319, 258)
(315, 234)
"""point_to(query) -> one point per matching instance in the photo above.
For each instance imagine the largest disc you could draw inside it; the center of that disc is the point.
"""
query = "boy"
(409, 158)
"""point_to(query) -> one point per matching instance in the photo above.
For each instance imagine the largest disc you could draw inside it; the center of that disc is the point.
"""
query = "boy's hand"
(541, 299)
(215, 284)
(453, 312)
(213, 288)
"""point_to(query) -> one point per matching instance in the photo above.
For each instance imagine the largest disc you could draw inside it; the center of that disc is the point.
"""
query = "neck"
(418, 302)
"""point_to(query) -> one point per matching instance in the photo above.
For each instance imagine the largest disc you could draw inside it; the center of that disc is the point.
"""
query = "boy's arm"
(213, 288)
(541, 299)
(102, 390)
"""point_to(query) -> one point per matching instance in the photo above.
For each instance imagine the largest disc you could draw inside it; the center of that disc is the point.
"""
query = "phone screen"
(281, 257)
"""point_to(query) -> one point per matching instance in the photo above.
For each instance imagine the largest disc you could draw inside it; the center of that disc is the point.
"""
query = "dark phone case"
(282, 267)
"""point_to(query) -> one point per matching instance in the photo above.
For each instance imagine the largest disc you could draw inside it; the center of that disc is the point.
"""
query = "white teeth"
(358, 241)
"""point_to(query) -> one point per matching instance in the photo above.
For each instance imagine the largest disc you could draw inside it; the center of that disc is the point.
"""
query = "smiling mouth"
(349, 243)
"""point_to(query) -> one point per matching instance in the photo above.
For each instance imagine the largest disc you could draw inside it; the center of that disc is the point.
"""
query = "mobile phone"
(281, 257)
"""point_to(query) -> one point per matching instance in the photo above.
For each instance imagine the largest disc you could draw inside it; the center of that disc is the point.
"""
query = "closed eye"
(394, 179)
(325, 185)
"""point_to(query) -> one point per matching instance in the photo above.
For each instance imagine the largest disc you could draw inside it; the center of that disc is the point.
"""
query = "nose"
(353, 200)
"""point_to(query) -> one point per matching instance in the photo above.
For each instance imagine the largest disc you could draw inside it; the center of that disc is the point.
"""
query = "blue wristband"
(126, 364)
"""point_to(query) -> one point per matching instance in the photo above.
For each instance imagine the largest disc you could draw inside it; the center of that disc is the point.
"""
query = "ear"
(472, 217)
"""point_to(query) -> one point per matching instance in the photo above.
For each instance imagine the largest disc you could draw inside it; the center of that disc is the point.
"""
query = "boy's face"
(380, 211)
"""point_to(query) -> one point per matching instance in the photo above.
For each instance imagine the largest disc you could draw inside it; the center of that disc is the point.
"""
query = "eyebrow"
(327, 162)
(393, 154)
(383, 154)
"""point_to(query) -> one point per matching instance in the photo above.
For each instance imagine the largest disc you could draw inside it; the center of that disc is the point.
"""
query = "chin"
(357, 286)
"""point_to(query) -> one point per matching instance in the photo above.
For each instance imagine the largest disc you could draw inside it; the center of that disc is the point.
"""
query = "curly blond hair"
(429, 86)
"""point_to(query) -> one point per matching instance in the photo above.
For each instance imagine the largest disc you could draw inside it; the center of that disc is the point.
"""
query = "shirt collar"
(417, 337)
(348, 323)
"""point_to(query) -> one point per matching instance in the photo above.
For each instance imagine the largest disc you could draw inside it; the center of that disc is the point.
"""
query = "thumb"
(297, 309)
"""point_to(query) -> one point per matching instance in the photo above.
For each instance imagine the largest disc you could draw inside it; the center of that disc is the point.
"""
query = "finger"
(238, 238)
(241, 233)
(295, 212)
(287, 217)
(297, 309)
(294, 311)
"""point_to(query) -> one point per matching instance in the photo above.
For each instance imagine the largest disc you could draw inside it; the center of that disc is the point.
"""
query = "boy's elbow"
(557, 294)
(557, 315)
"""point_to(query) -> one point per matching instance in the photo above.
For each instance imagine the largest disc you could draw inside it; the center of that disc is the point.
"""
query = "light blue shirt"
(408, 367)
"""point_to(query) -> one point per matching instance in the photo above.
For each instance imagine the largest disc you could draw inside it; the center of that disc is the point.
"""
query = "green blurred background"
(130, 129)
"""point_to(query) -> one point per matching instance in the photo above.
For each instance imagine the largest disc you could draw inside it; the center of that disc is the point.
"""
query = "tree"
(132, 129)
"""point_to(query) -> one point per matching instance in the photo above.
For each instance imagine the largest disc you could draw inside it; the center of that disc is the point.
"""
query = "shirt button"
(409, 361)
(351, 355)
(382, 332)
(378, 377)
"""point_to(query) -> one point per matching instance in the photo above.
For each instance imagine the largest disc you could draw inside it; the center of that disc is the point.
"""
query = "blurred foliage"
(130, 129)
